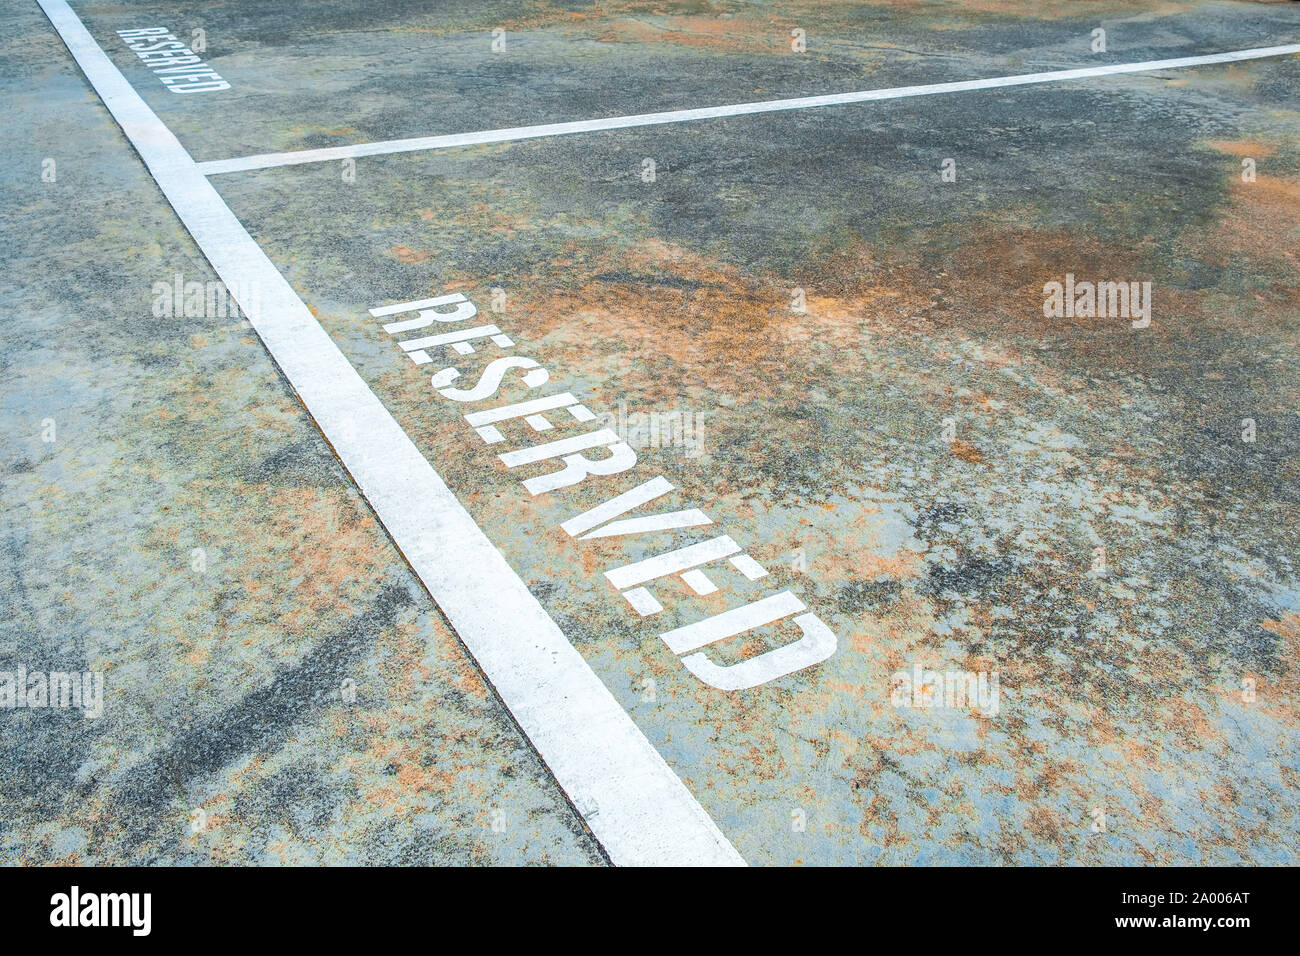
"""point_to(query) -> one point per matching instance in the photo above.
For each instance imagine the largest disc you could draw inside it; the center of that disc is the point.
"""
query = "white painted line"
(635, 805)
(730, 623)
(293, 158)
(702, 552)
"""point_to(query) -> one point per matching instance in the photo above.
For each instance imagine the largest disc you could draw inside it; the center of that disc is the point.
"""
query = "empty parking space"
(897, 481)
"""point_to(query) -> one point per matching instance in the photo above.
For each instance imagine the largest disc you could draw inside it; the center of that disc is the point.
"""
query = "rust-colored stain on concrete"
(892, 426)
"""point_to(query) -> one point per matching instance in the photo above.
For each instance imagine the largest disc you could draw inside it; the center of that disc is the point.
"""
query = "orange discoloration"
(1262, 216)
(1288, 628)
(410, 256)
(1048, 10)
(1242, 147)
(701, 32)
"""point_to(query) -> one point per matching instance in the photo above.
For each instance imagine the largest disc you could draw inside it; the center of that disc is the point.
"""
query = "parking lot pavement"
(276, 686)
(830, 330)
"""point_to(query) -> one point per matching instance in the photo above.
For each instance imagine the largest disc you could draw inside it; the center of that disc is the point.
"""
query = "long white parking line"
(632, 800)
(293, 158)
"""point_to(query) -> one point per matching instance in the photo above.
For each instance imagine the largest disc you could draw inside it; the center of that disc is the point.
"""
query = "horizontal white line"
(730, 623)
(295, 157)
(635, 805)
(660, 565)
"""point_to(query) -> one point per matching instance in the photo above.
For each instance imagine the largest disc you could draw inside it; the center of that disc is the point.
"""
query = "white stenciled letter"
(687, 562)
(429, 312)
(490, 380)
(576, 466)
(816, 645)
(642, 494)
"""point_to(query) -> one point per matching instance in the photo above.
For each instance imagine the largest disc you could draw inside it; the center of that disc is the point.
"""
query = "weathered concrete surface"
(824, 448)
(224, 687)
(335, 73)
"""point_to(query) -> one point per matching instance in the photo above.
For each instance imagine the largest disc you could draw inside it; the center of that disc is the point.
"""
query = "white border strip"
(293, 158)
(634, 804)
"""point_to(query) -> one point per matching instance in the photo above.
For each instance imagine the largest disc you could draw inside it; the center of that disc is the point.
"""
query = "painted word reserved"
(178, 67)
(454, 314)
